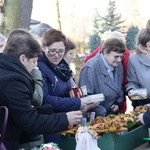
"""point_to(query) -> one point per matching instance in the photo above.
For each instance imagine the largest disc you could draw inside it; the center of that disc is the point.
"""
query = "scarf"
(62, 70)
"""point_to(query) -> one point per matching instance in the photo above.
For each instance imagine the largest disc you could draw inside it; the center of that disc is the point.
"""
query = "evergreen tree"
(112, 21)
(96, 22)
(94, 39)
(131, 36)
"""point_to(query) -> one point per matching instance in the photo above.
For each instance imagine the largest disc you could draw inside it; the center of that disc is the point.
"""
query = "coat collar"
(144, 59)
(108, 80)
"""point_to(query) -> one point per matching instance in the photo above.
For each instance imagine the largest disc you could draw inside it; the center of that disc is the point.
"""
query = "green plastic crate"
(113, 141)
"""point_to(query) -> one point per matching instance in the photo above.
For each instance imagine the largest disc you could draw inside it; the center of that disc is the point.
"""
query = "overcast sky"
(45, 10)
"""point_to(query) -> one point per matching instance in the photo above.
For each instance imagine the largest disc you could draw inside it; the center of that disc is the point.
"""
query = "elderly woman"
(104, 74)
(57, 79)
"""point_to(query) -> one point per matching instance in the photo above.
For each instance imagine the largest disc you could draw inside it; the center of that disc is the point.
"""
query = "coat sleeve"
(58, 101)
(25, 117)
(146, 118)
(121, 97)
(121, 93)
(131, 76)
(38, 88)
(86, 79)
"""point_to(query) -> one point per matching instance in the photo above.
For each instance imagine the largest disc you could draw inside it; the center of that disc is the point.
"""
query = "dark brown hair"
(22, 42)
(70, 45)
(51, 36)
(113, 44)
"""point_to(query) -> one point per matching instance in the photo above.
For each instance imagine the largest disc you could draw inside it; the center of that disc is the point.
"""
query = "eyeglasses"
(117, 57)
(60, 52)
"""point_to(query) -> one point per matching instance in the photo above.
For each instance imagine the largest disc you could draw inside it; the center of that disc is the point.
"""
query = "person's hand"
(130, 93)
(140, 118)
(91, 105)
(74, 117)
(83, 103)
(88, 107)
(114, 108)
(89, 102)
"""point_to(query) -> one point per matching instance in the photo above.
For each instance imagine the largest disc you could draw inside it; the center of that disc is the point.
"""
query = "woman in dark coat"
(16, 90)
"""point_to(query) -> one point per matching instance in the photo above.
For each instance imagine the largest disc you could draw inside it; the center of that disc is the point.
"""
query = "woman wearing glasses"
(57, 79)
(104, 74)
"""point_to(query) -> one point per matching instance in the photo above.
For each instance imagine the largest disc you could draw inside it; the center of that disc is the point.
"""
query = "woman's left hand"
(140, 118)
(91, 106)
(114, 108)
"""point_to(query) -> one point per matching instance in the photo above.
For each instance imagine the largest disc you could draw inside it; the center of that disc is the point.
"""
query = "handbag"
(78, 92)
(4, 124)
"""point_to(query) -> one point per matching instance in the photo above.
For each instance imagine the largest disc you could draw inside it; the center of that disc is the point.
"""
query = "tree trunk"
(15, 14)
(25, 12)
(58, 14)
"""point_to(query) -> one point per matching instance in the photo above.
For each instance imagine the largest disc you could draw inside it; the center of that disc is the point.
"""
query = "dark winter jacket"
(56, 89)
(16, 91)
(146, 118)
(56, 86)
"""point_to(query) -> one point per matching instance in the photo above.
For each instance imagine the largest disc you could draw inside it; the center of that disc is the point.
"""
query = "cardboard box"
(113, 141)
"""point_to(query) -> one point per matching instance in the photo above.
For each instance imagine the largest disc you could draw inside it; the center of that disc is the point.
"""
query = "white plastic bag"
(86, 139)
(94, 98)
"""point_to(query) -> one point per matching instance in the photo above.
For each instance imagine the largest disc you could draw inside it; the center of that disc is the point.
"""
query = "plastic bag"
(86, 139)
(94, 98)
(138, 94)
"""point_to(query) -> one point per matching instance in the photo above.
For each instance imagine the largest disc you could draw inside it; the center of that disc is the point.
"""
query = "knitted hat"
(117, 35)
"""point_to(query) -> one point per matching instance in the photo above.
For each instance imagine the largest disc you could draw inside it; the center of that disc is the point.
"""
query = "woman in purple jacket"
(57, 79)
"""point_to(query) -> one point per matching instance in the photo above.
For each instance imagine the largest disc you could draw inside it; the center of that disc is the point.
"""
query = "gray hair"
(40, 29)
(2, 37)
